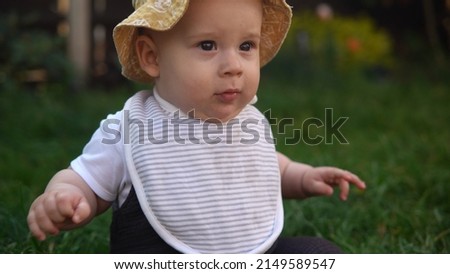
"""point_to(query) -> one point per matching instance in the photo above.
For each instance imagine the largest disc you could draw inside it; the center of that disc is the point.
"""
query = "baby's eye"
(207, 45)
(247, 46)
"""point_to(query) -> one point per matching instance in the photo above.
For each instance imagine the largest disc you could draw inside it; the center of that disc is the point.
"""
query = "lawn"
(395, 137)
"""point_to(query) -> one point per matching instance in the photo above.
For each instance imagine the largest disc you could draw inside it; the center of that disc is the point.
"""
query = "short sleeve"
(102, 164)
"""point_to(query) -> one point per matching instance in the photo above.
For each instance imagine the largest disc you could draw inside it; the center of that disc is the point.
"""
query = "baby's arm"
(68, 202)
(302, 181)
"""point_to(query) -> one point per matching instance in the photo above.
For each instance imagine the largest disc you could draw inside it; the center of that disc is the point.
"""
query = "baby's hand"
(57, 209)
(321, 181)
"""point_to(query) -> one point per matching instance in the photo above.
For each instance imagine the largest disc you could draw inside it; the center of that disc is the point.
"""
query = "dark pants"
(305, 245)
(131, 233)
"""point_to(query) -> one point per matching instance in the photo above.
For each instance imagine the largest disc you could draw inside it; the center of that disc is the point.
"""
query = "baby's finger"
(34, 228)
(66, 205)
(352, 178)
(345, 188)
(57, 208)
(82, 211)
(40, 223)
(321, 189)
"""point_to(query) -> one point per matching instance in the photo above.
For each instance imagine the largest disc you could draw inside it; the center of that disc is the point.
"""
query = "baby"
(188, 167)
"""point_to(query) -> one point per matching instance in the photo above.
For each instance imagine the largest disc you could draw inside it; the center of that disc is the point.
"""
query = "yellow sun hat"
(162, 15)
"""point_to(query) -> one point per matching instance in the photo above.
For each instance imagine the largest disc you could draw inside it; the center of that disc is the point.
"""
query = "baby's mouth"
(228, 95)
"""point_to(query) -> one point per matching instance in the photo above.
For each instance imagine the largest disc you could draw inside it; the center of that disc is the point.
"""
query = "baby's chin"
(216, 119)
(223, 114)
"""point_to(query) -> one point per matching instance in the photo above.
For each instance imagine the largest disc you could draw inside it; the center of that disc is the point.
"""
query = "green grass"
(398, 138)
(398, 143)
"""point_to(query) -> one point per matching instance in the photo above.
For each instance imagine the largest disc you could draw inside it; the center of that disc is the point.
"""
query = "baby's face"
(209, 62)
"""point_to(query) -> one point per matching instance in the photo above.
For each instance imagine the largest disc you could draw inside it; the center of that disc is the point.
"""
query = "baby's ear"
(147, 53)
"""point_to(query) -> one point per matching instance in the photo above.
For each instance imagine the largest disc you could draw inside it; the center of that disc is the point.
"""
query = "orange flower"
(353, 44)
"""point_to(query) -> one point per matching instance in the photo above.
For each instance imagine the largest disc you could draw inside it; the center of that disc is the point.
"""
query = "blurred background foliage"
(31, 55)
(341, 43)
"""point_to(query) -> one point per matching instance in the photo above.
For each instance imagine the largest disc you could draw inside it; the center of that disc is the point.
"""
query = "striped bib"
(204, 187)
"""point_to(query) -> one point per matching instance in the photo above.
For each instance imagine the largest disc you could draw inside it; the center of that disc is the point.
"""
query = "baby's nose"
(231, 64)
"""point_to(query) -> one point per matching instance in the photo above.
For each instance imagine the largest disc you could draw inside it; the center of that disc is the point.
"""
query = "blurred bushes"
(337, 44)
(30, 56)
